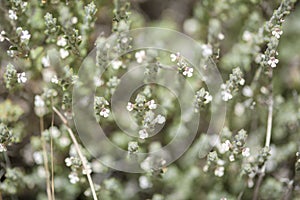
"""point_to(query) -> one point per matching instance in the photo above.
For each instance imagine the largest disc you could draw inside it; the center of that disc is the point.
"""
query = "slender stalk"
(45, 160)
(52, 156)
(82, 158)
(268, 135)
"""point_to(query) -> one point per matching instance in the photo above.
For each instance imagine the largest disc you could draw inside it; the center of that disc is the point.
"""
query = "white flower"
(73, 177)
(224, 147)
(231, 158)
(104, 112)
(63, 53)
(38, 101)
(242, 81)
(140, 56)
(2, 38)
(246, 152)
(175, 57)
(160, 119)
(98, 82)
(219, 171)
(152, 105)
(205, 168)
(145, 182)
(247, 91)
(133, 146)
(61, 41)
(221, 36)
(12, 15)
(46, 61)
(277, 32)
(226, 95)
(207, 97)
(25, 36)
(22, 77)
(64, 141)
(68, 162)
(74, 20)
(188, 71)
(129, 106)
(116, 64)
(2, 148)
(54, 79)
(247, 36)
(273, 62)
(143, 134)
(37, 157)
(207, 50)
(87, 170)
(146, 164)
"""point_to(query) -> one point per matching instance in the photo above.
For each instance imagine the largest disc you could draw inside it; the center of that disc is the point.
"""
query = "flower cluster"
(101, 108)
(231, 86)
(183, 66)
(202, 98)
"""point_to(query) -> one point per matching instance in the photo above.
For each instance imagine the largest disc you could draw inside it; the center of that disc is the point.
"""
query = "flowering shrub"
(57, 51)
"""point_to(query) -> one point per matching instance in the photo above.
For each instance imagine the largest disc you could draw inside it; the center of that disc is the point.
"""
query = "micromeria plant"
(255, 46)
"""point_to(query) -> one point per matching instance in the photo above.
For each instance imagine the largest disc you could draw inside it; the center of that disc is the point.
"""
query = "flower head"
(140, 56)
(277, 32)
(188, 71)
(151, 104)
(2, 36)
(273, 62)
(22, 77)
(104, 112)
(143, 134)
(12, 15)
(25, 36)
(129, 106)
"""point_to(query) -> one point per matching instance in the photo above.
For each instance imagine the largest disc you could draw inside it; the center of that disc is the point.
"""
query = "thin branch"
(82, 158)
(268, 136)
(45, 160)
(52, 156)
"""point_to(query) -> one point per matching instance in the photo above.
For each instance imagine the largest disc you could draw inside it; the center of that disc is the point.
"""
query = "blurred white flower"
(145, 182)
(143, 134)
(277, 32)
(140, 56)
(12, 15)
(273, 62)
(54, 79)
(63, 53)
(2, 148)
(104, 112)
(129, 106)
(219, 171)
(25, 36)
(73, 177)
(226, 95)
(160, 119)
(247, 36)
(151, 104)
(116, 64)
(22, 77)
(46, 61)
(38, 157)
(61, 41)
(221, 36)
(207, 50)
(2, 37)
(224, 147)
(231, 158)
(246, 152)
(188, 71)
(175, 57)
(68, 161)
